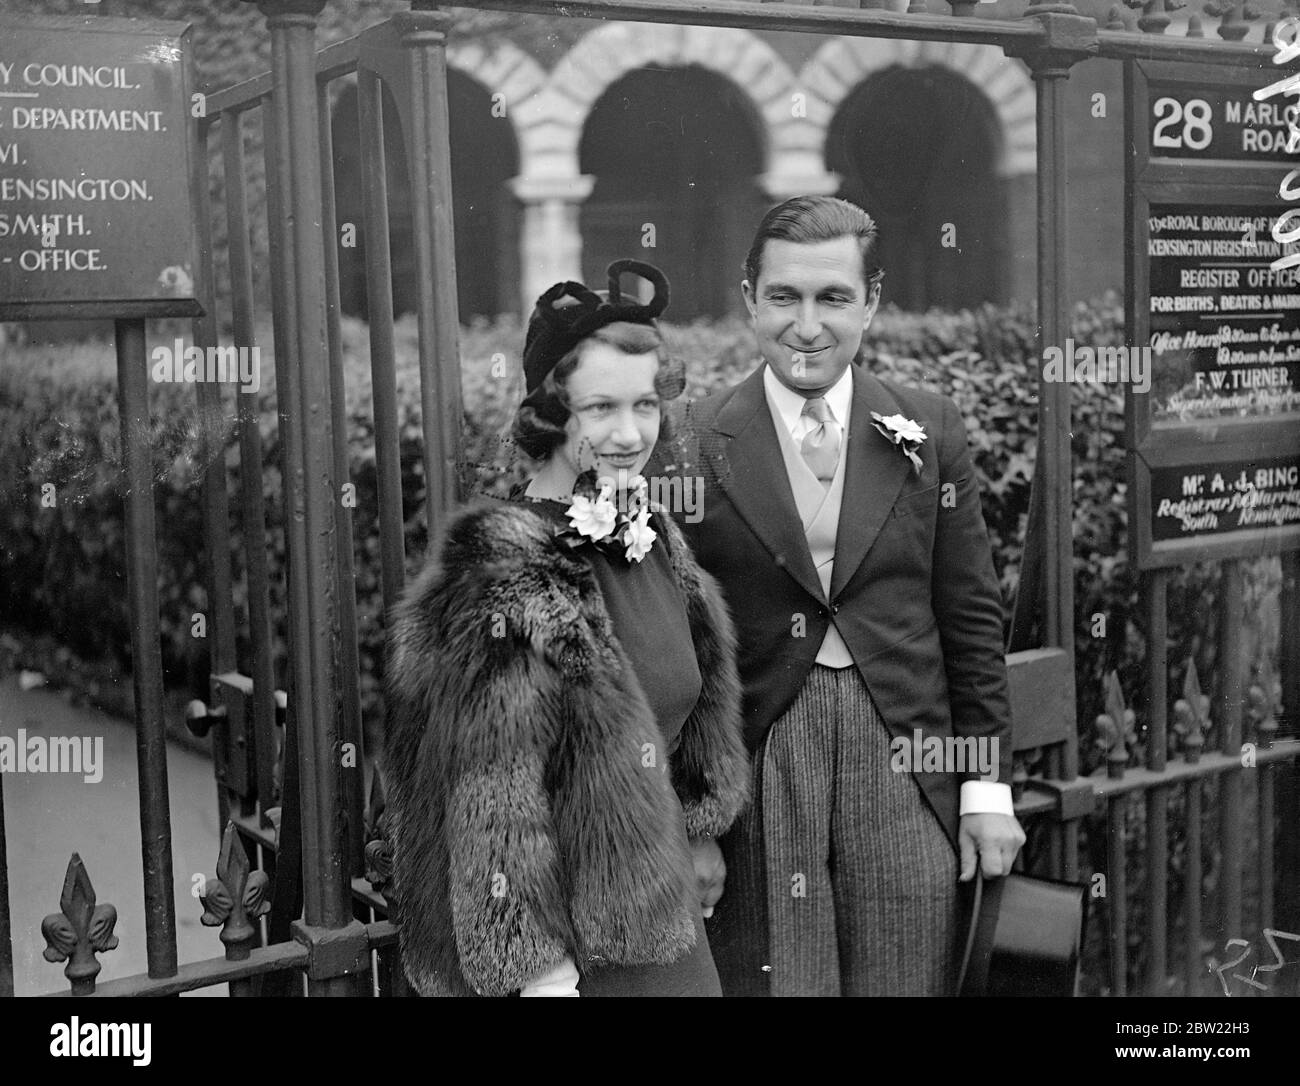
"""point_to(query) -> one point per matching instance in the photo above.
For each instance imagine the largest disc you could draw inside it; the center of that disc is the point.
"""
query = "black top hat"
(568, 313)
(1025, 937)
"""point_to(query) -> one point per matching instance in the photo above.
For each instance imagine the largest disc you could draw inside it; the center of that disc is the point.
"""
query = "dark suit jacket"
(913, 593)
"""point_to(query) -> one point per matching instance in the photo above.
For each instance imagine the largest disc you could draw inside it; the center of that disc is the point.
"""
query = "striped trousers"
(839, 858)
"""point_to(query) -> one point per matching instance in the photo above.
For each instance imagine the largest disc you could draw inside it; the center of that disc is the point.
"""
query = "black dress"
(648, 613)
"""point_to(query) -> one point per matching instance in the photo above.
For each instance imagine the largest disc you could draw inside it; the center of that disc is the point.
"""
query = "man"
(841, 516)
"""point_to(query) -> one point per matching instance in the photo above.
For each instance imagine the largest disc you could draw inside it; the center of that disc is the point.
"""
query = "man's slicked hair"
(806, 219)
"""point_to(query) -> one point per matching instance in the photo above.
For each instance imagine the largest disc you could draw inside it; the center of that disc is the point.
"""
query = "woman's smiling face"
(614, 412)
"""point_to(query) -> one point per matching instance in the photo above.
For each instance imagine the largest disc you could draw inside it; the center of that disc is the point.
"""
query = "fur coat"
(533, 808)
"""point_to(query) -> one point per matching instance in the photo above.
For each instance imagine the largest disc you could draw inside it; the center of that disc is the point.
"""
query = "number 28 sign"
(1221, 123)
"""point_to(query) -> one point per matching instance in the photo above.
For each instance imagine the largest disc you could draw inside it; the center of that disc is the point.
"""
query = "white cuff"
(560, 981)
(986, 797)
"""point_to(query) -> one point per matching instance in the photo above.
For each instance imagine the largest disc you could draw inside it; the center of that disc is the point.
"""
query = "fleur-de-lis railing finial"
(1264, 705)
(1155, 13)
(1116, 727)
(235, 897)
(80, 930)
(379, 846)
(1233, 15)
(1192, 715)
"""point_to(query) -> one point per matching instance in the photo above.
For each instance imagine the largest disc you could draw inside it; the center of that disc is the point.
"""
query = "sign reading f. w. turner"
(1213, 291)
(96, 197)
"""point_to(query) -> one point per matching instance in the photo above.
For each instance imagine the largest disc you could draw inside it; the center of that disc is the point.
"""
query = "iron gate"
(299, 849)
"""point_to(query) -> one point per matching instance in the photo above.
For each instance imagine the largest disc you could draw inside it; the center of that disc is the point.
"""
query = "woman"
(565, 734)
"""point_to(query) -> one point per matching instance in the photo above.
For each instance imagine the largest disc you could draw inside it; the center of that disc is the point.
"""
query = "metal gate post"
(423, 33)
(310, 492)
(146, 653)
(1155, 592)
(1287, 891)
(349, 673)
(1070, 38)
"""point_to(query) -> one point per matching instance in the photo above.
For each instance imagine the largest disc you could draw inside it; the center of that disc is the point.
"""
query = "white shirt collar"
(789, 405)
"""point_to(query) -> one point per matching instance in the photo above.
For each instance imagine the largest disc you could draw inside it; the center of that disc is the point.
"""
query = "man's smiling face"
(810, 308)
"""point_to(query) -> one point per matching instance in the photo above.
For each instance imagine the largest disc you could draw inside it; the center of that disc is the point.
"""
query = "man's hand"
(994, 838)
(710, 871)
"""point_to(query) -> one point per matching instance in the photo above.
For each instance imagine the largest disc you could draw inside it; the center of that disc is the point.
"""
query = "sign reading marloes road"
(96, 144)
(1214, 445)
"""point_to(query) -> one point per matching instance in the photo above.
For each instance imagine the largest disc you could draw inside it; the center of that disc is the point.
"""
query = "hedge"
(61, 568)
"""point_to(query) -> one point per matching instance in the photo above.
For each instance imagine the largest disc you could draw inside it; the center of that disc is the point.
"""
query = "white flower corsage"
(903, 432)
(594, 518)
(639, 535)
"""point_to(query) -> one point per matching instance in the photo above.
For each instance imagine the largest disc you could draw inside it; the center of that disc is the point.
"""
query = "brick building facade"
(577, 141)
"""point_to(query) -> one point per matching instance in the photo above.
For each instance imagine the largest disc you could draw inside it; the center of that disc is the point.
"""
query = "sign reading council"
(96, 181)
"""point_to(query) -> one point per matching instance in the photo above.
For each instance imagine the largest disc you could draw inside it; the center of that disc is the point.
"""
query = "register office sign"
(1213, 287)
(97, 146)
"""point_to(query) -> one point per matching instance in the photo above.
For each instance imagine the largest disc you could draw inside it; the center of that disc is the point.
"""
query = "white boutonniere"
(903, 432)
(593, 517)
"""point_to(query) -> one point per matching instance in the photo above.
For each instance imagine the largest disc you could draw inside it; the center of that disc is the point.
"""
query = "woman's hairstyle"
(539, 423)
(806, 219)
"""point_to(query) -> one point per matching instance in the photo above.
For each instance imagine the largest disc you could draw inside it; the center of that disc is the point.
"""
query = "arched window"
(484, 156)
(677, 150)
(916, 147)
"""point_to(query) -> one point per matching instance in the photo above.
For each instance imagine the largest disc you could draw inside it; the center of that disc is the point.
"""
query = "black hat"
(1025, 937)
(558, 325)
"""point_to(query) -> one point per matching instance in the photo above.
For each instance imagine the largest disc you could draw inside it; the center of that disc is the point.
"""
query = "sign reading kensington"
(97, 205)
(1212, 288)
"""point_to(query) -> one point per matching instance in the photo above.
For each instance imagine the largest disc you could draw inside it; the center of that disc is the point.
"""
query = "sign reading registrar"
(97, 204)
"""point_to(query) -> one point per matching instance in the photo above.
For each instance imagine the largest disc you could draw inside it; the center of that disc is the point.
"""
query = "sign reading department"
(96, 145)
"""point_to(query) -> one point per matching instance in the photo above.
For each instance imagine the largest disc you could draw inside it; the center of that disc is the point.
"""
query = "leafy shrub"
(62, 567)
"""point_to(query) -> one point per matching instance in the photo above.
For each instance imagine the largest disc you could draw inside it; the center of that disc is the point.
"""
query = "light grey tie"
(821, 445)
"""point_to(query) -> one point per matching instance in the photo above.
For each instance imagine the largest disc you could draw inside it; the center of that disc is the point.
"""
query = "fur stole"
(526, 824)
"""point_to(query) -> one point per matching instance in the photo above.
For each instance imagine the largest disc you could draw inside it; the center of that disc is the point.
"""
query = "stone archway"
(842, 64)
(674, 157)
(504, 78)
(551, 124)
(953, 184)
(484, 87)
(504, 69)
